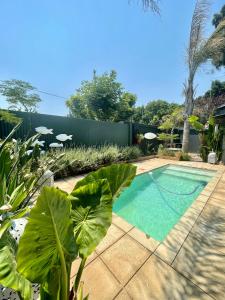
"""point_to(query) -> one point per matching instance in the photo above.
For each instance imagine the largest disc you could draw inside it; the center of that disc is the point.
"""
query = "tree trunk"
(189, 105)
(186, 134)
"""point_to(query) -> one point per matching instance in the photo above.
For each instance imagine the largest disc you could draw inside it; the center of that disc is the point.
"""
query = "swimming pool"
(156, 200)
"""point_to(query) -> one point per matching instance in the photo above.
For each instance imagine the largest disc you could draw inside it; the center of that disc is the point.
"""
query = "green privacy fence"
(85, 132)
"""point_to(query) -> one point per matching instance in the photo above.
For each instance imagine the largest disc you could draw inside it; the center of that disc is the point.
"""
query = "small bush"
(128, 153)
(85, 159)
(182, 156)
(165, 152)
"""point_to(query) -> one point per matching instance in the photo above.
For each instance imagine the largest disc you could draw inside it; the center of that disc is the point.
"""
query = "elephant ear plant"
(20, 175)
(60, 228)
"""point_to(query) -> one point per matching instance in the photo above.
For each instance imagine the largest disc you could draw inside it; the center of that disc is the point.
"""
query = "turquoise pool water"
(156, 200)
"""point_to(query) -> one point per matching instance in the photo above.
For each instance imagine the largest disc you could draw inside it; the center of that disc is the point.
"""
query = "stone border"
(169, 248)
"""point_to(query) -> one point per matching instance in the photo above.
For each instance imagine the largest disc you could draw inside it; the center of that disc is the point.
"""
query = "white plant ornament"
(150, 136)
(56, 145)
(43, 130)
(63, 137)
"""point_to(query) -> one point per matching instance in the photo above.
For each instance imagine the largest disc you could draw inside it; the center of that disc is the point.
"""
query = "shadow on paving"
(202, 257)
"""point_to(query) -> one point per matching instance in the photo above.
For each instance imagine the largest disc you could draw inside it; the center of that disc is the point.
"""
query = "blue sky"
(56, 44)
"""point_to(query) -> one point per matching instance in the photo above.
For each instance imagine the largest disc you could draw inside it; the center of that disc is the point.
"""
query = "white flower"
(63, 137)
(39, 143)
(29, 152)
(56, 145)
(42, 152)
(43, 130)
(14, 141)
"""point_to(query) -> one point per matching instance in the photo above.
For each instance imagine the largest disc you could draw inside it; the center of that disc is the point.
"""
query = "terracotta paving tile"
(76, 264)
(212, 216)
(204, 266)
(63, 185)
(158, 281)
(166, 253)
(99, 282)
(121, 223)
(217, 202)
(210, 236)
(206, 192)
(113, 234)
(124, 258)
(123, 295)
(218, 194)
(143, 239)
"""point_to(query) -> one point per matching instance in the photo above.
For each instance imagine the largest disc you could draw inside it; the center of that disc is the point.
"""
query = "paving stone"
(218, 194)
(99, 282)
(203, 265)
(217, 202)
(158, 281)
(143, 239)
(210, 228)
(121, 223)
(123, 295)
(125, 257)
(76, 264)
(113, 234)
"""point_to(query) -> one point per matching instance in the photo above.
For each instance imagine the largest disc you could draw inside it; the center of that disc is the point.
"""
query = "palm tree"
(152, 4)
(199, 51)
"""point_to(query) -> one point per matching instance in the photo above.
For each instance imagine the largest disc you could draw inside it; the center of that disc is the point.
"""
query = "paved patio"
(188, 264)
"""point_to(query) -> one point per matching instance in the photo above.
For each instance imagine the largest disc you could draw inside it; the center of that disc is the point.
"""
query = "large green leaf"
(92, 215)
(48, 237)
(9, 277)
(119, 176)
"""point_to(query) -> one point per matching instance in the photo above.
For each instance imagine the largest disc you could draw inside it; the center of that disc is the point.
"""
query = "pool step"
(186, 175)
(194, 171)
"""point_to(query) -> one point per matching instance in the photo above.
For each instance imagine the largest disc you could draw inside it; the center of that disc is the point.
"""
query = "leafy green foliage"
(59, 225)
(164, 152)
(19, 94)
(219, 58)
(210, 136)
(9, 117)
(119, 176)
(91, 214)
(9, 276)
(48, 243)
(213, 98)
(126, 107)
(194, 122)
(182, 156)
(153, 112)
(102, 98)
(85, 159)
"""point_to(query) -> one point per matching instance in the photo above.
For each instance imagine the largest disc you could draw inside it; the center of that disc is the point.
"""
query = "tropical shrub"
(85, 159)
(131, 152)
(162, 151)
(61, 227)
(210, 136)
(182, 156)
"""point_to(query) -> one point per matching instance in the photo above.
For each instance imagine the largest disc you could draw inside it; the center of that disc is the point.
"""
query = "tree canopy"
(20, 95)
(102, 98)
(153, 112)
(218, 18)
(213, 98)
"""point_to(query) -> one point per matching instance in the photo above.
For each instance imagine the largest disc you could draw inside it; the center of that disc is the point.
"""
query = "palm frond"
(149, 4)
(152, 4)
(196, 39)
